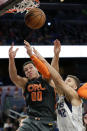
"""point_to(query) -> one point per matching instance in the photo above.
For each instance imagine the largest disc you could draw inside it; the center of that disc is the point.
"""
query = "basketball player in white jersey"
(69, 110)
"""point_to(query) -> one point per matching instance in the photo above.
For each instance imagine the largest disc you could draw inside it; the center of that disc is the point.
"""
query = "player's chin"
(31, 77)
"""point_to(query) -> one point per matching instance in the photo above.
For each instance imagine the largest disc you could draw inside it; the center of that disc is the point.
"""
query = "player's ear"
(75, 87)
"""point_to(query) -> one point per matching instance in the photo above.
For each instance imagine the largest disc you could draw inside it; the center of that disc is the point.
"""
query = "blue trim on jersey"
(68, 104)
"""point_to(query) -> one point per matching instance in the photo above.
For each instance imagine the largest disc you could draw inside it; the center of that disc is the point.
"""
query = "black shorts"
(30, 124)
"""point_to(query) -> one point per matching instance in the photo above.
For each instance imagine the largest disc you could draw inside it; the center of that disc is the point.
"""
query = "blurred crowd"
(69, 34)
(17, 31)
(69, 26)
(12, 107)
(13, 111)
(67, 23)
(12, 123)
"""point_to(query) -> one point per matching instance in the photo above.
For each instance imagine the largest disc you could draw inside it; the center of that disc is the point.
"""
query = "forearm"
(55, 62)
(40, 66)
(12, 69)
(54, 74)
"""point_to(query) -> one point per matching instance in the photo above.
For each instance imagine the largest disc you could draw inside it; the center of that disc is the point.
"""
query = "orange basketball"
(82, 91)
(35, 18)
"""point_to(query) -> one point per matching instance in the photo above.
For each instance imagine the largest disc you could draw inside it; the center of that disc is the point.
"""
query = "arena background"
(66, 21)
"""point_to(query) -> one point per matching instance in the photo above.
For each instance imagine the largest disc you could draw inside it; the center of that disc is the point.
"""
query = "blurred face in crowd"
(30, 71)
(85, 119)
(3, 1)
(71, 82)
(21, 122)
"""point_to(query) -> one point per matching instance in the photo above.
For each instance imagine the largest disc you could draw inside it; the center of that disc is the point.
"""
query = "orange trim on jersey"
(36, 91)
(34, 87)
(39, 96)
(33, 96)
(36, 96)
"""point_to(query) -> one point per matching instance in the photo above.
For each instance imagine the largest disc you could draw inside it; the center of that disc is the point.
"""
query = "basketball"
(35, 18)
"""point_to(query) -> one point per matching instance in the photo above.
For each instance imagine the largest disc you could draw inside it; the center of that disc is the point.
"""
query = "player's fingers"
(26, 42)
(57, 41)
(10, 49)
(16, 50)
(54, 42)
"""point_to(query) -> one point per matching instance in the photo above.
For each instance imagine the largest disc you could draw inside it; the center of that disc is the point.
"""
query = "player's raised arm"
(55, 60)
(39, 64)
(16, 79)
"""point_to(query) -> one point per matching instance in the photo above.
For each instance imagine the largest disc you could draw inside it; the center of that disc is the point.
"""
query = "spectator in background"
(1, 123)
(15, 126)
(85, 120)
(8, 125)
(24, 111)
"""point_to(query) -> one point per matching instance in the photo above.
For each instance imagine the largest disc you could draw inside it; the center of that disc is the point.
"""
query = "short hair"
(77, 81)
(28, 62)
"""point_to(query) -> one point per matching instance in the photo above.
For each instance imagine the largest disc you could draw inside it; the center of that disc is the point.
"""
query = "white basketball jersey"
(69, 119)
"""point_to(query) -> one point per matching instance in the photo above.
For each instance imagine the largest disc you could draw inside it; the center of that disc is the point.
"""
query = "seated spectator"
(8, 125)
(85, 120)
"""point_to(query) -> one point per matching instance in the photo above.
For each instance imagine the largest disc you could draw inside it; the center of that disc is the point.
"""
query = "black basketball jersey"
(40, 98)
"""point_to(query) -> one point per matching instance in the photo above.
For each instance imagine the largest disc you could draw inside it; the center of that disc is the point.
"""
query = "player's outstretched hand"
(28, 48)
(57, 47)
(12, 53)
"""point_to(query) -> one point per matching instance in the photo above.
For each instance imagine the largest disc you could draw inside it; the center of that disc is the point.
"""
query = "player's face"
(71, 82)
(30, 71)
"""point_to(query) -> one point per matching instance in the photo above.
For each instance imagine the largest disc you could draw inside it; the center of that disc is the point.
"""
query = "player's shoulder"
(25, 79)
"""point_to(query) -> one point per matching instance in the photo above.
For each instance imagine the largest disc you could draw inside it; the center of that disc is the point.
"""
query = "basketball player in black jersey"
(39, 96)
